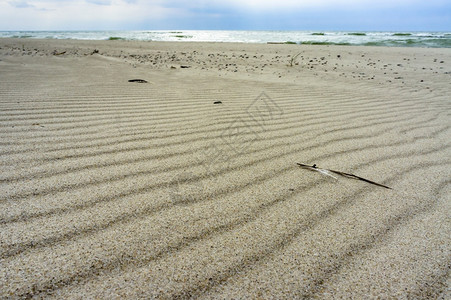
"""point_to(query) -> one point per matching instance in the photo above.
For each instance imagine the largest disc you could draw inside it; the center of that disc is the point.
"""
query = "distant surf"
(356, 38)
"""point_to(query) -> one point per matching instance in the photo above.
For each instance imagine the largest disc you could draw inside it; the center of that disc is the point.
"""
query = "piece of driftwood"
(138, 80)
(348, 175)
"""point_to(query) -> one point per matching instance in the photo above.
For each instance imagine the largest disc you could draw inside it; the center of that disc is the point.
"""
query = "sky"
(363, 15)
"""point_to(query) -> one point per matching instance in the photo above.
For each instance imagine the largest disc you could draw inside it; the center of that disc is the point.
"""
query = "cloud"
(83, 14)
(20, 4)
(99, 2)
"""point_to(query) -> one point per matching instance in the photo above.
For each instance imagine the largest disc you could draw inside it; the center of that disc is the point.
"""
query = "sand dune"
(114, 188)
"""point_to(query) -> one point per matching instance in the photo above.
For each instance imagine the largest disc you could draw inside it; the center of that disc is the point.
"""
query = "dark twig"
(138, 80)
(325, 171)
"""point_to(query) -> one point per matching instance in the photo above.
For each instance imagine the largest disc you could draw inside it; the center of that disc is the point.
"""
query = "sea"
(356, 38)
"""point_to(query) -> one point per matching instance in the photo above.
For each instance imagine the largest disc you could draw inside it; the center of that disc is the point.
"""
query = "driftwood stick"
(315, 168)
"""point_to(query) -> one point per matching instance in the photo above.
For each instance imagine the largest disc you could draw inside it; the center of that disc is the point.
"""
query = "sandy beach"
(187, 184)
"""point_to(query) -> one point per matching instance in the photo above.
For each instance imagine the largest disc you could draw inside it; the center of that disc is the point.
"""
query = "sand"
(111, 188)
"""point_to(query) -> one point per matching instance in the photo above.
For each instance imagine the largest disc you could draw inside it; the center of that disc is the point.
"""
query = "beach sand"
(111, 188)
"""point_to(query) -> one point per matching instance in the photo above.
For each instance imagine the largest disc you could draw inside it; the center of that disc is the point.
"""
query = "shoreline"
(289, 43)
(286, 43)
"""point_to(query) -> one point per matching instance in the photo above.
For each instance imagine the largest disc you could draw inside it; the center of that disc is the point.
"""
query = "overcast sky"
(393, 15)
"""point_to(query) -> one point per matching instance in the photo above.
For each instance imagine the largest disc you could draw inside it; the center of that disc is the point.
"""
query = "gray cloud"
(20, 4)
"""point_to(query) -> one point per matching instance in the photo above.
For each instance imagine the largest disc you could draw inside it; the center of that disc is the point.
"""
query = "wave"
(358, 38)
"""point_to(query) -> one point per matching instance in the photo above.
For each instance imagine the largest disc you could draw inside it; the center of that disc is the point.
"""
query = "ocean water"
(371, 38)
